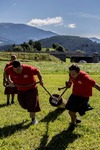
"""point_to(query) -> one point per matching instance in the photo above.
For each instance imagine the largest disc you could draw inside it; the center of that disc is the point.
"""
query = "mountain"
(95, 39)
(4, 41)
(11, 33)
(72, 43)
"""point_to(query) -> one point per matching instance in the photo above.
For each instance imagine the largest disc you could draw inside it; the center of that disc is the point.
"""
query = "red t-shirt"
(82, 85)
(8, 64)
(25, 78)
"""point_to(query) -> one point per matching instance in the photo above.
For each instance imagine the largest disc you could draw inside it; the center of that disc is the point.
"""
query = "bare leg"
(32, 115)
(73, 116)
(73, 120)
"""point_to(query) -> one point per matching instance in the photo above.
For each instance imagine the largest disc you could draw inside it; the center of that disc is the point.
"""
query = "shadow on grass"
(52, 116)
(11, 129)
(62, 140)
(3, 105)
(59, 141)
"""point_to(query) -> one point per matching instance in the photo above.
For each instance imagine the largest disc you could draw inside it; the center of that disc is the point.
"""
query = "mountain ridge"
(72, 43)
(19, 33)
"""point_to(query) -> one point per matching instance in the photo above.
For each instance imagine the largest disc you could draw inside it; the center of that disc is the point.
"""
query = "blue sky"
(65, 17)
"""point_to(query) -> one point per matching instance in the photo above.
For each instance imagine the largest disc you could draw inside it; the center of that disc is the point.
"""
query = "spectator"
(9, 91)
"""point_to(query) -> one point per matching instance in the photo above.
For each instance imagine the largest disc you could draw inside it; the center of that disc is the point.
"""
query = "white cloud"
(47, 21)
(73, 25)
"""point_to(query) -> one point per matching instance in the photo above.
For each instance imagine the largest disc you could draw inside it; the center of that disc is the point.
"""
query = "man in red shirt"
(23, 76)
(81, 91)
(9, 91)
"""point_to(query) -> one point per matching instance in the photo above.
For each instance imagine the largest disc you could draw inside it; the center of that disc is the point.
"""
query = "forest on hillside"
(61, 43)
(72, 43)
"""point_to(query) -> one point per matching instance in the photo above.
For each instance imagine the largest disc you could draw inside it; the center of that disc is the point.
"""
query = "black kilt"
(78, 104)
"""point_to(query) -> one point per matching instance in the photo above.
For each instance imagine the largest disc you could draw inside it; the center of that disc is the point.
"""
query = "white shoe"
(34, 122)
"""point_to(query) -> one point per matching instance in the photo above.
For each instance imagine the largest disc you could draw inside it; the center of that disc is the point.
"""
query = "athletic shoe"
(34, 121)
(71, 127)
(78, 121)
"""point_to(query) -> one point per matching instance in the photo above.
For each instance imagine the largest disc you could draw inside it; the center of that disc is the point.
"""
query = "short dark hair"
(16, 63)
(74, 67)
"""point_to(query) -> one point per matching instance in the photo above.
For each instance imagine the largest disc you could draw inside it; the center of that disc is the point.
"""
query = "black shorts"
(29, 100)
(78, 104)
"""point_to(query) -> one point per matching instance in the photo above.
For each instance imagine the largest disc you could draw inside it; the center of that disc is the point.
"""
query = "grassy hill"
(28, 56)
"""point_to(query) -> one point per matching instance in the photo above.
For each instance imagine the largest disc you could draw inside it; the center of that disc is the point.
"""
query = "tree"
(31, 43)
(60, 48)
(54, 46)
(17, 49)
(37, 45)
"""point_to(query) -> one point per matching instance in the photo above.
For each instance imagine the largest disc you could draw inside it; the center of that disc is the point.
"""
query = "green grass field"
(51, 133)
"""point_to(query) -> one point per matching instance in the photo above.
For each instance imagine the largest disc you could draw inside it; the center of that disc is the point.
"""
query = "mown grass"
(51, 133)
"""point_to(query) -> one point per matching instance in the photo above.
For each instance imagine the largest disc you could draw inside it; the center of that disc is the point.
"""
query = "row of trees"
(32, 46)
(35, 46)
(27, 47)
